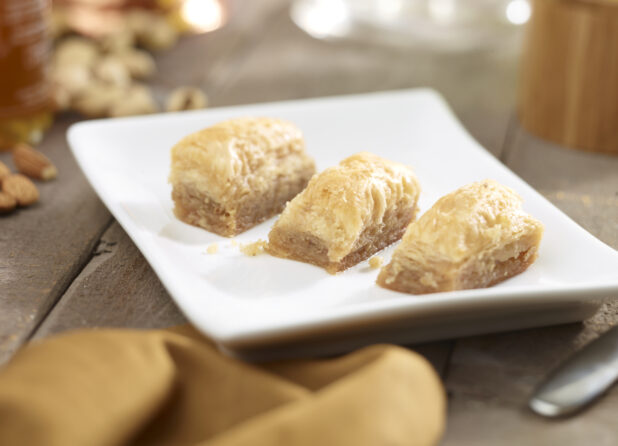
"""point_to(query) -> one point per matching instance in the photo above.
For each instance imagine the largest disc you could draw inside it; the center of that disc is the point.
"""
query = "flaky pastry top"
(474, 219)
(339, 203)
(238, 156)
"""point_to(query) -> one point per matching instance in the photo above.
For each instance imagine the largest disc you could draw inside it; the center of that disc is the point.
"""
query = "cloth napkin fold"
(160, 387)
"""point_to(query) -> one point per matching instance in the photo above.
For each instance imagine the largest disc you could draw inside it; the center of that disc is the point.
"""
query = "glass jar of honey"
(25, 90)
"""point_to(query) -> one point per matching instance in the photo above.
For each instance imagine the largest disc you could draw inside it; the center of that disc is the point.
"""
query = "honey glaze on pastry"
(347, 213)
(229, 177)
(473, 237)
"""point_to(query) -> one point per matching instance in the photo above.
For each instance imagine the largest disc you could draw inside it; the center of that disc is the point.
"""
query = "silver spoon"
(580, 379)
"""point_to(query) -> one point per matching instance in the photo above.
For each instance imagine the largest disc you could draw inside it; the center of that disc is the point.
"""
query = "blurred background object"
(103, 17)
(103, 49)
(441, 24)
(89, 56)
(569, 83)
(25, 105)
(199, 15)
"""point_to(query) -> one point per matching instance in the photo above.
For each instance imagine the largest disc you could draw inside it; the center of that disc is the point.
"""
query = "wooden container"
(569, 81)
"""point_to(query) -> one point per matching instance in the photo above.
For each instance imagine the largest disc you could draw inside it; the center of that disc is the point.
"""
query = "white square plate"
(269, 306)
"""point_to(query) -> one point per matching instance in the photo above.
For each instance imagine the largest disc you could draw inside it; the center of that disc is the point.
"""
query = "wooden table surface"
(65, 263)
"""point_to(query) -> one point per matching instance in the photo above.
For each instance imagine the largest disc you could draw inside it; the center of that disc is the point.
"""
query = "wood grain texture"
(43, 247)
(116, 289)
(480, 421)
(490, 378)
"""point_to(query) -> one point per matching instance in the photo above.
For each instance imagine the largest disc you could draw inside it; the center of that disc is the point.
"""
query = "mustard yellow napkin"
(116, 387)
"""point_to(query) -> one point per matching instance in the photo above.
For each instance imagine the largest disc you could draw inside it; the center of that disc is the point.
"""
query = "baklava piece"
(229, 177)
(347, 213)
(474, 237)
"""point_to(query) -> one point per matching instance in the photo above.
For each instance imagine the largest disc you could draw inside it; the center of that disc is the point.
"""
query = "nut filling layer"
(231, 176)
(474, 237)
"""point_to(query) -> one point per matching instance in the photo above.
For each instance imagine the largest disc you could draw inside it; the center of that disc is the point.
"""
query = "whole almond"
(33, 163)
(21, 188)
(4, 170)
(7, 203)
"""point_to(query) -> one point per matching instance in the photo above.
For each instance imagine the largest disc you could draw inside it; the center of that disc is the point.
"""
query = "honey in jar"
(25, 90)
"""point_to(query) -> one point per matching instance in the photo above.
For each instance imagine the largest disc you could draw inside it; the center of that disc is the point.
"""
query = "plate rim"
(260, 336)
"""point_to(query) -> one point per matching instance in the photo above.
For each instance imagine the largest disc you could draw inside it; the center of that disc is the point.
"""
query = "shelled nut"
(71, 77)
(151, 30)
(96, 100)
(117, 41)
(76, 51)
(33, 163)
(21, 188)
(7, 203)
(137, 101)
(186, 98)
(61, 97)
(141, 65)
(4, 170)
(111, 70)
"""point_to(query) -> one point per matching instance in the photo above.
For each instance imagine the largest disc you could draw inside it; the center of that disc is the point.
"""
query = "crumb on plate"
(253, 249)
(212, 249)
(376, 262)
